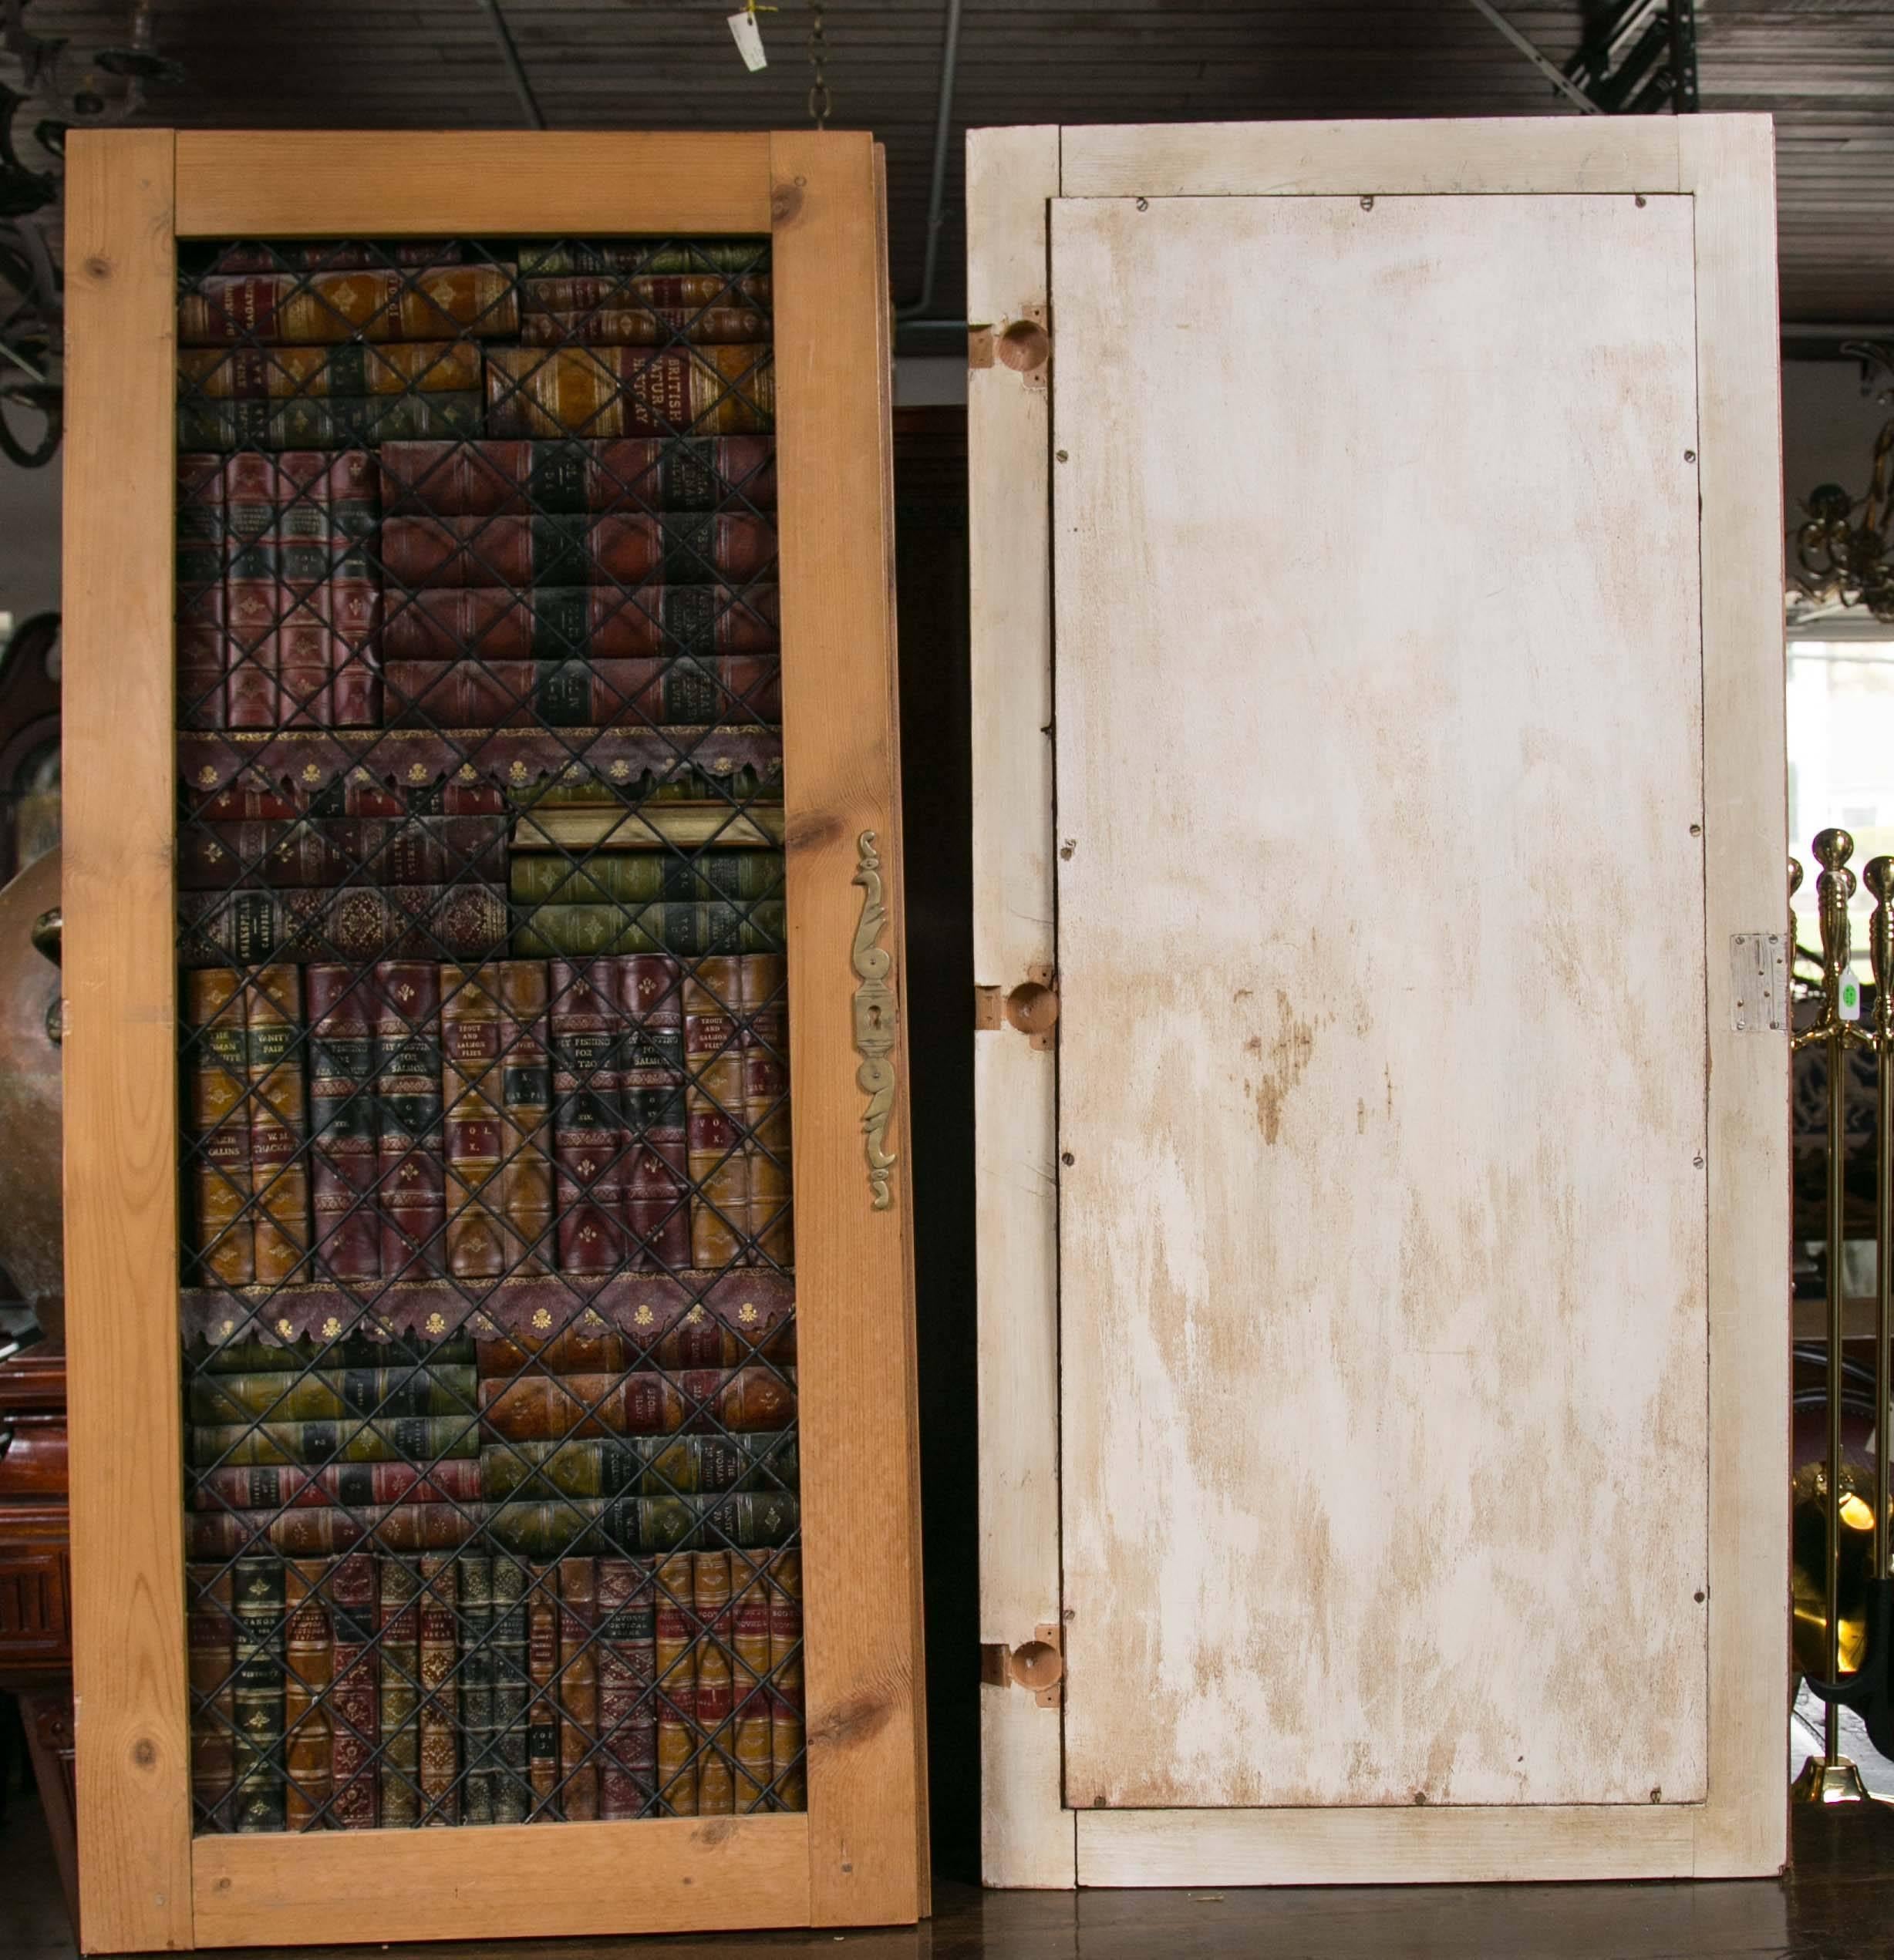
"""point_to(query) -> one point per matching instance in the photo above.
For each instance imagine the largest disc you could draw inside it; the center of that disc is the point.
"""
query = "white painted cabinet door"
(1379, 741)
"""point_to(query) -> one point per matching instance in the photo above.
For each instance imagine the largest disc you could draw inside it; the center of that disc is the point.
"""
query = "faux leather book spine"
(720, 1167)
(544, 1408)
(710, 1592)
(694, 930)
(676, 1659)
(584, 622)
(213, 1667)
(384, 303)
(203, 653)
(512, 1795)
(542, 1715)
(344, 1160)
(627, 1719)
(358, 922)
(479, 1762)
(578, 1689)
(279, 1123)
(217, 1068)
(399, 1770)
(355, 1702)
(657, 1191)
(749, 1670)
(762, 1040)
(328, 422)
(516, 478)
(303, 662)
(630, 391)
(526, 1096)
(258, 1599)
(253, 600)
(643, 326)
(413, 1177)
(611, 548)
(351, 593)
(253, 373)
(455, 1481)
(471, 1028)
(654, 691)
(583, 1020)
(385, 1439)
(439, 1717)
(308, 1670)
(785, 1708)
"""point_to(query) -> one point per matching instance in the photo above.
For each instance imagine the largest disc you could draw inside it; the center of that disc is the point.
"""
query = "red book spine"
(413, 1171)
(202, 654)
(562, 622)
(515, 478)
(252, 604)
(354, 1704)
(526, 1176)
(657, 1193)
(578, 693)
(627, 1714)
(304, 663)
(352, 594)
(576, 548)
(286, 1487)
(583, 1022)
(344, 1167)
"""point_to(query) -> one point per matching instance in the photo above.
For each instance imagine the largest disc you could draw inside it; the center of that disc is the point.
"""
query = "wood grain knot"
(713, 1832)
(98, 267)
(852, 1720)
(785, 203)
(143, 1754)
(811, 831)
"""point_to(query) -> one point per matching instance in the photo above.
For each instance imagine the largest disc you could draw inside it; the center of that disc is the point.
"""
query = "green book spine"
(326, 422)
(400, 1775)
(638, 1466)
(643, 878)
(625, 1527)
(259, 1607)
(407, 1439)
(692, 930)
(351, 1351)
(330, 1394)
(477, 1754)
(512, 1793)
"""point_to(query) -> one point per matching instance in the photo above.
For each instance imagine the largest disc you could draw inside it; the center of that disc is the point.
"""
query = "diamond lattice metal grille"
(488, 1310)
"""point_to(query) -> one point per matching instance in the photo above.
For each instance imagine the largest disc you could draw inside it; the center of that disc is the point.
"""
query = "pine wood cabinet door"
(1412, 751)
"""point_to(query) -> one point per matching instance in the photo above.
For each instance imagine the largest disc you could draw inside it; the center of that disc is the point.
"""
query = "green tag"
(1850, 997)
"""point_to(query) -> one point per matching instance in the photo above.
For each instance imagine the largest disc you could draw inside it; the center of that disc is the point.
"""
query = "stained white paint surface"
(1380, 941)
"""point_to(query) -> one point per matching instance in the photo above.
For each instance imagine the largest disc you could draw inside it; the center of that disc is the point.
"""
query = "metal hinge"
(1038, 1665)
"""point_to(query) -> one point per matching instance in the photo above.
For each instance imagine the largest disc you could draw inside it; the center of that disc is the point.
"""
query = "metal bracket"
(1038, 1665)
(1759, 982)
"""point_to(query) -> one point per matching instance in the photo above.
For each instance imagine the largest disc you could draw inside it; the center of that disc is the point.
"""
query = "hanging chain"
(820, 102)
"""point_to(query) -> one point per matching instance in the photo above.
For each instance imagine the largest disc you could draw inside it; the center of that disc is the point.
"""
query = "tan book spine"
(279, 1123)
(786, 1706)
(676, 1652)
(749, 1673)
(218, 1084)
(710, 1592)
(308, 1669)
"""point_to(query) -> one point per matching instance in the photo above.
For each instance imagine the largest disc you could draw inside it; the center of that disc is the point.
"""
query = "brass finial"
(1834, 889)
(1877, 875)
(1795, 877)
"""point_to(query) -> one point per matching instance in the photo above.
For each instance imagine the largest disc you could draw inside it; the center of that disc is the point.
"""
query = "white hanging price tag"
(749, 38)
(1849, 997)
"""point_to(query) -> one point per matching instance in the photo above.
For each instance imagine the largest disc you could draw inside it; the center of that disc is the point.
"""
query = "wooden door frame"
(858, 1855)
(1726, 164)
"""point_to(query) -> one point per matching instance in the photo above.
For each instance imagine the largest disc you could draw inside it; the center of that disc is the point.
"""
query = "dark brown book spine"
(354, 1710)
(579, 693)
(785, 1710)
(478, 1239)
(486, 480)
(479, 1767)
(657, 1192)
(580, 622)
(628, 1715)
(710, 1593)
(749, 1675)
(440, 1712)
(407, 1056)
(256, 1601)
(582, 1018)
(358, 922)
(308, 1669)
(213, 1654)
(271, 1488)
(203, 652)
(763, 1041)
(279, 1123)
(512, 1796)
(258, 373)
(303, 660)
(643, 326)
(719, 1166)
(542, 1719)
(399, 1770)
(675, 1659)
(546, 1408)
(352, 597)
(253, 600)
(381, 303)
(526, 1098)
(344, 1164)
(216, 1062)
(311, 1531)
(578, 1689)
(610, 548)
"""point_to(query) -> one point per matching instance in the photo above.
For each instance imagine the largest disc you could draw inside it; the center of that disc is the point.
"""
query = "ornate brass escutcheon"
(876, 1021)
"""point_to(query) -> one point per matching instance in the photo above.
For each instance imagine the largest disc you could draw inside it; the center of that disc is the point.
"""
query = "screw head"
(1143, 203)
(1367, 204)
(1064, 456)
(1690, 456)
(1066, 1157)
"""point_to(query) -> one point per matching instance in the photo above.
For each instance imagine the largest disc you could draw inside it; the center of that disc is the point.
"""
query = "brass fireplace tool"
(1832, 1777)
